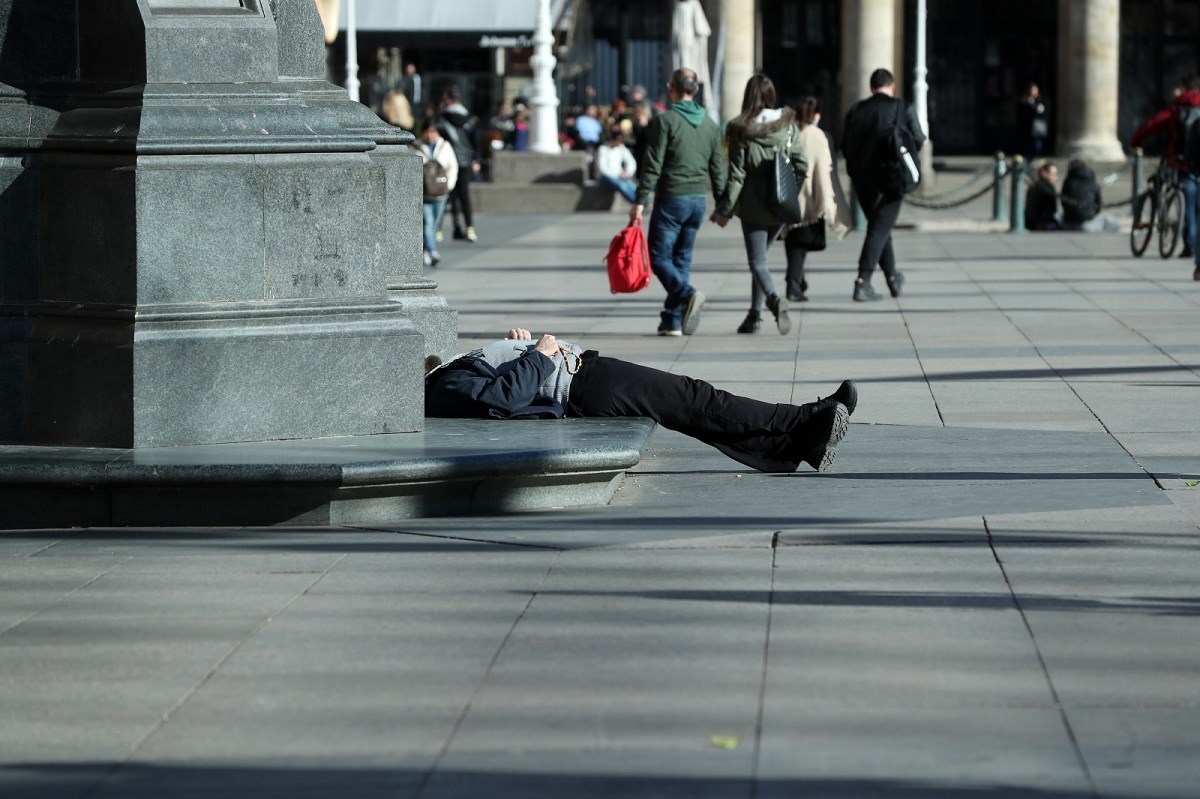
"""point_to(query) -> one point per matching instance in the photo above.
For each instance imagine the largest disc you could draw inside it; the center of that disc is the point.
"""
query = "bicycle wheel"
(1143, 223)
(1169, 221)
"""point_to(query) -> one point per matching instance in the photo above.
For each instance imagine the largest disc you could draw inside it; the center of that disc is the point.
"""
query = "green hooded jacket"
(683, 155)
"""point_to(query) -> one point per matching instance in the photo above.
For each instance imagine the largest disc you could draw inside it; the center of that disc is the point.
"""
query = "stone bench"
(456, 466)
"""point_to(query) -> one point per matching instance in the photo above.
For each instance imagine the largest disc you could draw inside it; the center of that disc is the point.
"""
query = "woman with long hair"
(754, 136)
(818, 199)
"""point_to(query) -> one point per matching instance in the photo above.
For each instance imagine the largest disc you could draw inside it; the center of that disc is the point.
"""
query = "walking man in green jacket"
(682, 157)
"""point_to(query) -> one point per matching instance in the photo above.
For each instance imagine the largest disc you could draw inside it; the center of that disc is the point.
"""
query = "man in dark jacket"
(455, 124)
(518, 377)
(682, 157)
(867, 122)
(1170, 120)
(1041, 200)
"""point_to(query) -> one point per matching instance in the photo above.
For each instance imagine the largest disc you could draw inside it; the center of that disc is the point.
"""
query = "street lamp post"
(921, 97)
(544, 99)
(352, 82)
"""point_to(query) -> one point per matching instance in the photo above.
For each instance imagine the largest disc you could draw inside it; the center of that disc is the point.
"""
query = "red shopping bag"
(628, 261)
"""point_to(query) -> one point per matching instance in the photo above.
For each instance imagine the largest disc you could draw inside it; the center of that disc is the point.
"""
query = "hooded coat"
(752, 148)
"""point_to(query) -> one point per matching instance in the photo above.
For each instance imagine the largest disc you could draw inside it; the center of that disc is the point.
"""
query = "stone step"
(456, 466)
(544, 198)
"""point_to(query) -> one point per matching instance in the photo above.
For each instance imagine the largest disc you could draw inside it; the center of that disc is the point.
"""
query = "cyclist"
(1170, 119)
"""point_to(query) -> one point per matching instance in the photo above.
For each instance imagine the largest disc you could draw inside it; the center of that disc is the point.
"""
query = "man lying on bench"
(518, 377)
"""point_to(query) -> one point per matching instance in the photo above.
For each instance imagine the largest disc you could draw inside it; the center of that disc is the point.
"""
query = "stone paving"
(993, 593)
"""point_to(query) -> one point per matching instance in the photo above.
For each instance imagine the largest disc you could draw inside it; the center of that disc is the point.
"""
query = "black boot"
(779, 308)
(751, 323)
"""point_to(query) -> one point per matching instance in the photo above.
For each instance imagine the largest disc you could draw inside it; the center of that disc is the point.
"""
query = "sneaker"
(896, 283)
(1196, 274)
(471, 236)
(779, 308)
(846, 394)
(864, 293)
(797, 297)
(751, 323)
(1187, 253)
(459, 235)
(691, 312)
(434, 258)
(426, 258)
(438, 236)
(668, 329)
(829, 426)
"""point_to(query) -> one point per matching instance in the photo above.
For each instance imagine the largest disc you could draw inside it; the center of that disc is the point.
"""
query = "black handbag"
(808, 237)
(784, 199)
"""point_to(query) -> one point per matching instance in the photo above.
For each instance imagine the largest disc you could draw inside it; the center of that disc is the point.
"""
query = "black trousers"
(765, 436)
(460, 202)
(881, 211)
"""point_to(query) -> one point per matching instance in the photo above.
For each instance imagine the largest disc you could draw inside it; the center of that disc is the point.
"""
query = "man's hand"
(721, 220)
(547, 345)
(519, 334)
(635, 215)
(475, 167)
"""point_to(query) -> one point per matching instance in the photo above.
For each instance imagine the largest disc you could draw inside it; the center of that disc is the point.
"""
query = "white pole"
(352, 83)
(920, 86)
(544, 99)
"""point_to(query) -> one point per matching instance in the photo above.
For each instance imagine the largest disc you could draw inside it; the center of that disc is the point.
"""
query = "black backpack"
(1187, 139)
(895, 170)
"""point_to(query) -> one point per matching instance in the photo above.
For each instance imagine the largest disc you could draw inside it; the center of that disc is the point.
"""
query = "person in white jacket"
(434, 148)
(822, 202)
(616, 166)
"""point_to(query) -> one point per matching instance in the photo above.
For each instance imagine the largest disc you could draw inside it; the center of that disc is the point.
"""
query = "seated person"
(518, 377)
(1041, 200)
(1081, 201)
(616, 166)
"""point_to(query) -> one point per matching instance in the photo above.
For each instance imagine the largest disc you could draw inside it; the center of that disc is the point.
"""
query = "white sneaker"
(427, 258)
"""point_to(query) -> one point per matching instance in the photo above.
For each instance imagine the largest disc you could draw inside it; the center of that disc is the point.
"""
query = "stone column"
(203, 241)
(740, 62)
(1089, 38)
(868, 43)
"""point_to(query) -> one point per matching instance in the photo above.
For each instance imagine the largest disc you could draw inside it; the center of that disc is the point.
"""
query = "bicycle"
(1159, 207)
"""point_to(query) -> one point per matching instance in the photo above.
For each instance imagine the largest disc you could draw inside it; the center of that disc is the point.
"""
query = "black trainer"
(896, 284)
(864, 293)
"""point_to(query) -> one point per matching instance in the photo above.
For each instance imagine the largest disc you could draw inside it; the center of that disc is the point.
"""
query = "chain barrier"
(934, 206)
(974, 178)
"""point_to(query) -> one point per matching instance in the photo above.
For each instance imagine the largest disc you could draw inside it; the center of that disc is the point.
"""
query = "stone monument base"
(454, 467)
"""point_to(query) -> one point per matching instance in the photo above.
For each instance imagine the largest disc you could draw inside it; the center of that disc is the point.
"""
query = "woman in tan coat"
(818, 199)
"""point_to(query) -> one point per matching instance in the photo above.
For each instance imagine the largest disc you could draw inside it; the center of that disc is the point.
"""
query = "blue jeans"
(626, 188)
(673, 227)
(1191, 195)
(432, 213)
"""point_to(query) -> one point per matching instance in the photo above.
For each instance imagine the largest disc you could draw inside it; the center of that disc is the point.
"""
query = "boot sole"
(841, 423)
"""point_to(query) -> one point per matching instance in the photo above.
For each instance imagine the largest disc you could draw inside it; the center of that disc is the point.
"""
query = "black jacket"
(867, 122)
(1041, 206)
(471, 388)
(457, 126)
(1080, 195)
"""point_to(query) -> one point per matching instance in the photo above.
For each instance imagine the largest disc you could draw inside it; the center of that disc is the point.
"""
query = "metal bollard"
(1016, 223)
(857, 214)
(999, 206)
(1139, 175)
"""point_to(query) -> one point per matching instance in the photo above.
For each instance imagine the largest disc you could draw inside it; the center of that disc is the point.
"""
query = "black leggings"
(460, 202)
(762, 435)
